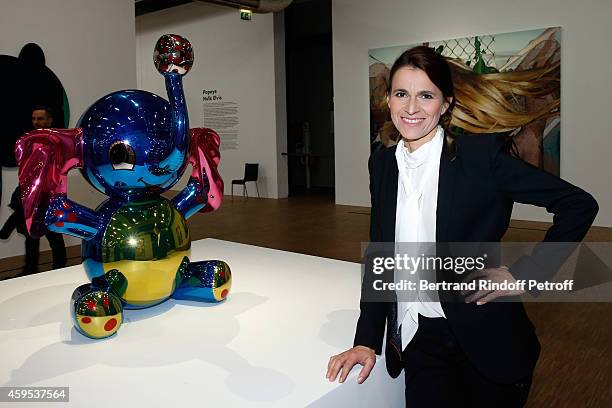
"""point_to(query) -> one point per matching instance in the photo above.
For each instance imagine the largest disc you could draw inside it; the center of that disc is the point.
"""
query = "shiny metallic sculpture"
(131, 145)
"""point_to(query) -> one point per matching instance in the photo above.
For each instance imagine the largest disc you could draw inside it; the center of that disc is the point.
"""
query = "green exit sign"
(246, 15)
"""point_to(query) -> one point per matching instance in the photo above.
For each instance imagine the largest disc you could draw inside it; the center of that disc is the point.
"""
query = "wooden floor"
(575, 368)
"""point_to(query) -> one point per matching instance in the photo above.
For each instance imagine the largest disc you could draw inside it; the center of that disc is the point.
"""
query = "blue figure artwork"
(131, 145)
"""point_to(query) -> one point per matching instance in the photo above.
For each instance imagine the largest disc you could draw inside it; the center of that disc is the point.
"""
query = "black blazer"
(478, 184)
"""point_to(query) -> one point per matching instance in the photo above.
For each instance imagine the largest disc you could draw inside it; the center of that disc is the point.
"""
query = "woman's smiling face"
(416, 105)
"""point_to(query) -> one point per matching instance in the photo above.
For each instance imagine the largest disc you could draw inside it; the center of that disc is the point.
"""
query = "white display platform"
(267, 345)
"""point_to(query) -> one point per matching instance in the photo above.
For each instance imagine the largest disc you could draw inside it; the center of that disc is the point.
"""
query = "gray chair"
(251, 173)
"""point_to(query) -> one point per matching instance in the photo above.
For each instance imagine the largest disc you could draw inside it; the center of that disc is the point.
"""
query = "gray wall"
(237, 58)
(585, 78)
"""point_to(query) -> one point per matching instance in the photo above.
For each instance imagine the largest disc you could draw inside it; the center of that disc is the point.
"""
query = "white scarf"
(417, 199)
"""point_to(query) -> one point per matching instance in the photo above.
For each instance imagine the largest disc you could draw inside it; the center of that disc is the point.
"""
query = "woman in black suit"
(472, 352)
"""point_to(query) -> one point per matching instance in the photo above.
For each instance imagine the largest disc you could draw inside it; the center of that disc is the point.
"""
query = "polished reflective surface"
(131, 145)
(146, 242)
(173, 54)
(96, 312)
(132, 148)
(206, 280)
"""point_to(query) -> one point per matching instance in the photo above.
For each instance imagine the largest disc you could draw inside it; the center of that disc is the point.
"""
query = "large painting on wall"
(505, 83)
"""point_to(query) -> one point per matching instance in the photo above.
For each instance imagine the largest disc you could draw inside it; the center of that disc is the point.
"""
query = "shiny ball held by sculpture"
(130, 145)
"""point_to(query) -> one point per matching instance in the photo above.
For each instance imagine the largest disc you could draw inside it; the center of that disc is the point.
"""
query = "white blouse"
(417, 199)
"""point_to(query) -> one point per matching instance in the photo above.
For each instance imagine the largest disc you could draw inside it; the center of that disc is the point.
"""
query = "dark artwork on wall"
(26, 82)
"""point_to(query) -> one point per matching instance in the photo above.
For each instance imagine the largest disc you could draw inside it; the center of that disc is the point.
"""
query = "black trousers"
(58, 249)
(438, 374)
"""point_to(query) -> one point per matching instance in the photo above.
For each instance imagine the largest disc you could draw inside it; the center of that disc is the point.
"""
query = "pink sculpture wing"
(45, 156)
(204, 156)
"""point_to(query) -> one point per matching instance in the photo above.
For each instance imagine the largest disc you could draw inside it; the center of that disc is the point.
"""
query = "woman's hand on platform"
(344, 362)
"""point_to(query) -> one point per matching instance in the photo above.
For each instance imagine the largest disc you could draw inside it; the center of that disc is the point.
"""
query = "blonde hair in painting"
(505, 101)
(488, 103)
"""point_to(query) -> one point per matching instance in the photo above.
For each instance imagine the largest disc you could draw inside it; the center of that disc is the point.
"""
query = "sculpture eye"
(122, 156)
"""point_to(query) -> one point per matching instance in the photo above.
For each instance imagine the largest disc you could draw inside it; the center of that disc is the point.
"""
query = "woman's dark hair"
(438, 71)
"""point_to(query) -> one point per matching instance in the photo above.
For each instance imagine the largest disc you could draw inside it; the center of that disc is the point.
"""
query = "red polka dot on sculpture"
(110, 325)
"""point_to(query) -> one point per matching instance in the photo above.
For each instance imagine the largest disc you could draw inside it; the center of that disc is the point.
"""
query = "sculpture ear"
(204, 156)
(45, 156)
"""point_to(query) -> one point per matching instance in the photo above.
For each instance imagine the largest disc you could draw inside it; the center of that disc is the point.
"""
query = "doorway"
(309, 75)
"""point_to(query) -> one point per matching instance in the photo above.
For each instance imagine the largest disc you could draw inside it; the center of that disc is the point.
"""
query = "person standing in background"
(42, 118)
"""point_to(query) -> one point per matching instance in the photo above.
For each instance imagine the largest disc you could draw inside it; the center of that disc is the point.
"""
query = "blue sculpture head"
(135, 143)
